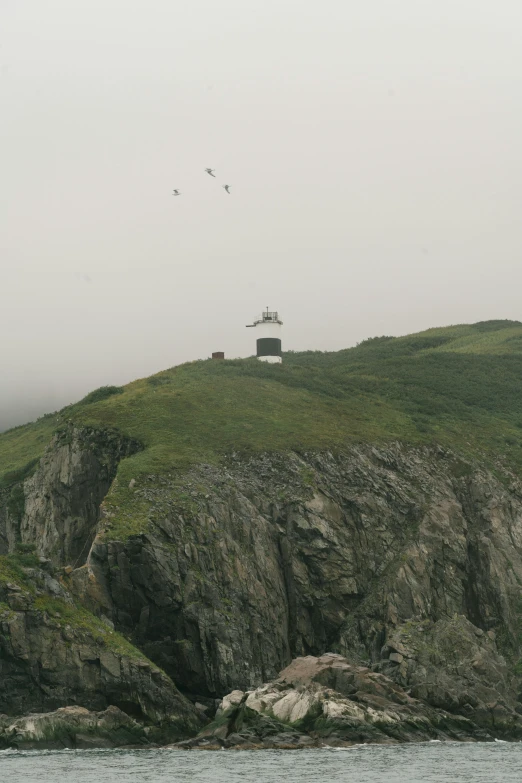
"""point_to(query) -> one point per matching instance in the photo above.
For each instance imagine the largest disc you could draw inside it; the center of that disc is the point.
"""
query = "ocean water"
(496, 762)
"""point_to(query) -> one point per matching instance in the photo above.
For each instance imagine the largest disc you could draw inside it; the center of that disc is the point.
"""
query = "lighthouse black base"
(268, 346)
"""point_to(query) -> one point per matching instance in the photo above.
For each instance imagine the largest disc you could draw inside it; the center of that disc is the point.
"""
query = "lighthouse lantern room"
(268, 334)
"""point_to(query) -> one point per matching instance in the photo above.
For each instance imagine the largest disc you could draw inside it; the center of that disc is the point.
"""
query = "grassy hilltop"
(460, 386)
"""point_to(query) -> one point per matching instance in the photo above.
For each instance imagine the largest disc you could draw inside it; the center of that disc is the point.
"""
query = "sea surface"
(496, 762)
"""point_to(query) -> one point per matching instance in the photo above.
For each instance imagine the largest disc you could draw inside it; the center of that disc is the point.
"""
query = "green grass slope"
(460, 386)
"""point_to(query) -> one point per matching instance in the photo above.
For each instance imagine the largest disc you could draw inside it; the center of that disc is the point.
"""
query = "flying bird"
(211, 172)
(227, 188)
(176, 193)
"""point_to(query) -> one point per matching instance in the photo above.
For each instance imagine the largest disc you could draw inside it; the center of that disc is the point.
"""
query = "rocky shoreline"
(328, 701)
(315, 702)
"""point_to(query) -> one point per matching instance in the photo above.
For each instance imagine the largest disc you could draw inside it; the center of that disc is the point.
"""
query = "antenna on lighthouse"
(268, 343)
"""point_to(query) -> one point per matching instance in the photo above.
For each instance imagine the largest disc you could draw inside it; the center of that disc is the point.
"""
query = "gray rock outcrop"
(328, 701)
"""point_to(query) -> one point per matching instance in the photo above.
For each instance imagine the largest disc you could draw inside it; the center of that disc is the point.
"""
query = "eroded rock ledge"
(329, 701)
(72, 727)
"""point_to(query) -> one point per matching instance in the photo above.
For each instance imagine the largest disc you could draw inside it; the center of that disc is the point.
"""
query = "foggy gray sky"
(373, 148)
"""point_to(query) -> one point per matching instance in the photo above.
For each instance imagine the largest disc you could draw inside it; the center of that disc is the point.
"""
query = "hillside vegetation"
(460, 386)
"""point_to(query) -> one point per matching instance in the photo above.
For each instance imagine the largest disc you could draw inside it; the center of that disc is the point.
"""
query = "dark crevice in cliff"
(471, 589)
(129, 707)
(285, 551)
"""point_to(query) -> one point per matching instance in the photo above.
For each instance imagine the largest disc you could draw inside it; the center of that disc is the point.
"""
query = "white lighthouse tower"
(268, 334)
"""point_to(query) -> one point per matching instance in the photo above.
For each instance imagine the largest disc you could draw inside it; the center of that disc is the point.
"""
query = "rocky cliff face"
(57, 509)
(407, 560)
(54, 654)
(244, 567)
